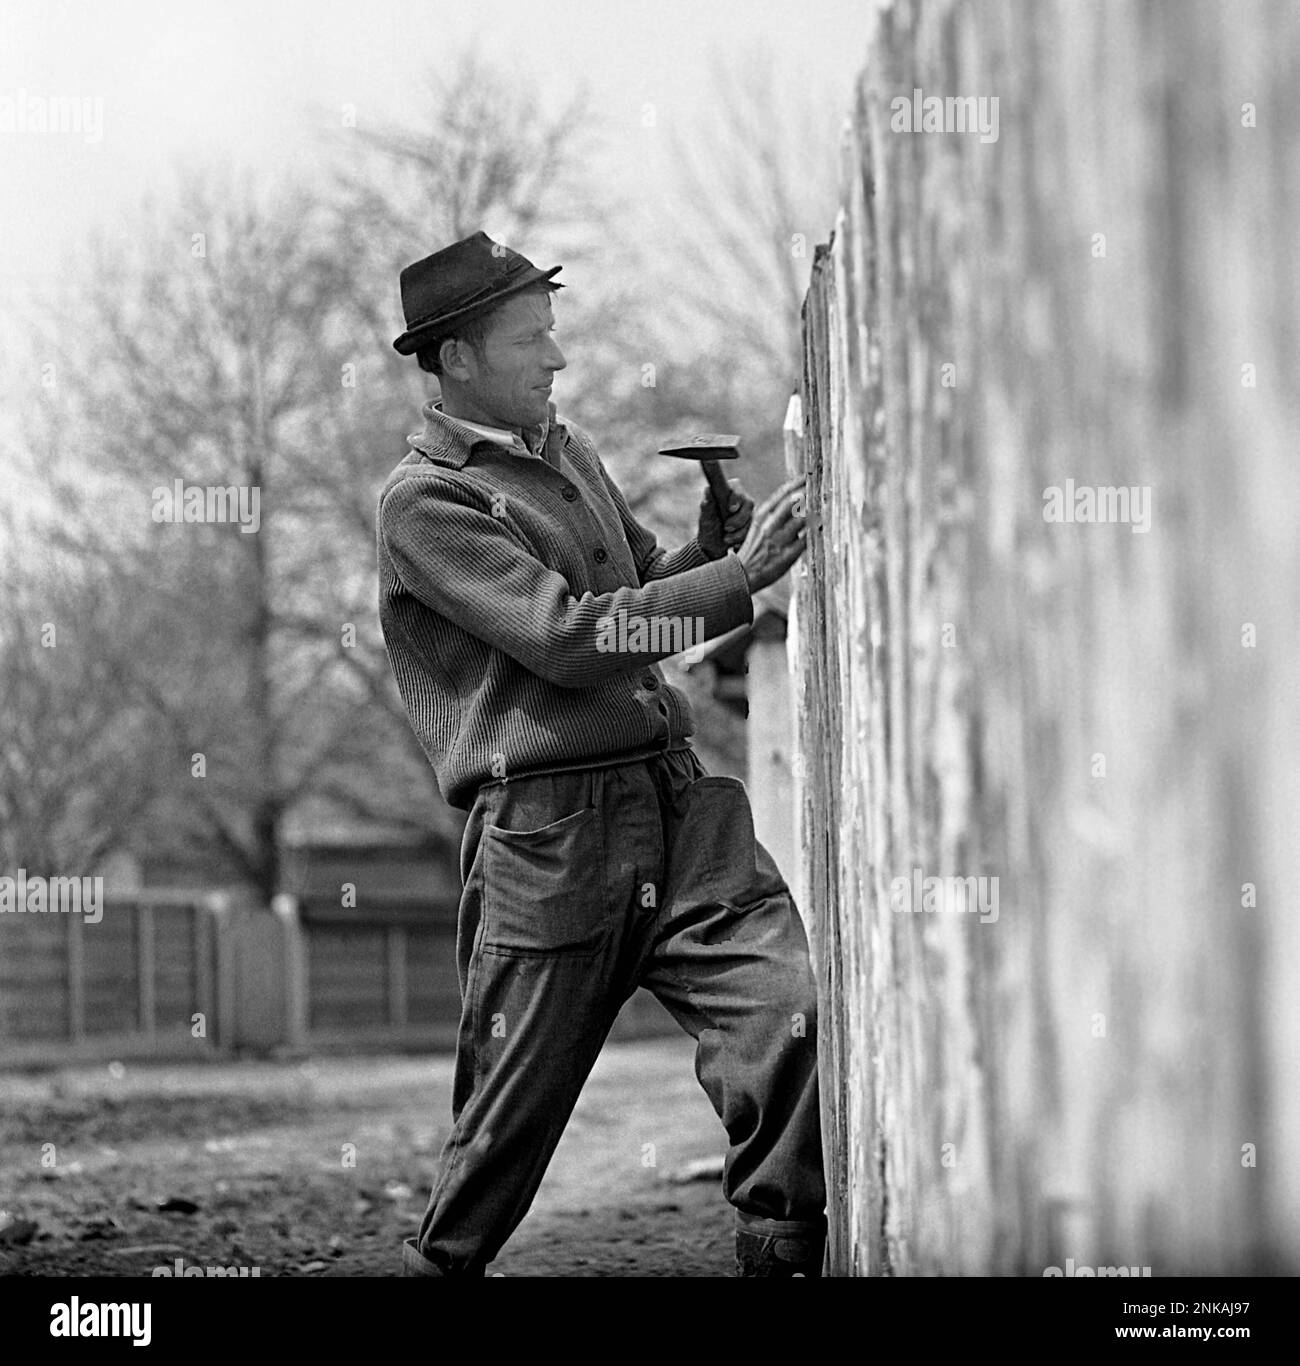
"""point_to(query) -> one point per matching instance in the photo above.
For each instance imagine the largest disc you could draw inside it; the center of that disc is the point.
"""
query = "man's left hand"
(716, 537)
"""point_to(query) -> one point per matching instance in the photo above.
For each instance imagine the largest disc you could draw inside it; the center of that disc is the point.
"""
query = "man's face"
(509, 381)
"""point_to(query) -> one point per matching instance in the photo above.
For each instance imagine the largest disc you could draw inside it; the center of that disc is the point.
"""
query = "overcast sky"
(256, 79)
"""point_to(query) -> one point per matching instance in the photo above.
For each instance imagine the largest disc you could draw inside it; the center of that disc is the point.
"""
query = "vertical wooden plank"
(792, 439)
(286, 910)
(768, 739)
(222, 912)
(145, 952)
(203, 969)
(76, 977)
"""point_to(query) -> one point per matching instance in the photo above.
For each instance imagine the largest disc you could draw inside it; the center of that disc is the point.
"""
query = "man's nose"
(555, 357)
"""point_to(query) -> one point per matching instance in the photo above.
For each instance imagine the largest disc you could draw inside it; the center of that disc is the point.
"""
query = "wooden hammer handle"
(718, 486)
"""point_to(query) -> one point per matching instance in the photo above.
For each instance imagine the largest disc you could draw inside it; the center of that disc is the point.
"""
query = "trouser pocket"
(543, 889)
(714, 857)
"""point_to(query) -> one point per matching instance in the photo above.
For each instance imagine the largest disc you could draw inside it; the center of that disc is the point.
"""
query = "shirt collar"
(450, 440)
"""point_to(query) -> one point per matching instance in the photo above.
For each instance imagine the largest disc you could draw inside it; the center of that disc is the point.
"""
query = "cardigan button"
(650, 681)
(568, 493)
(600, 554)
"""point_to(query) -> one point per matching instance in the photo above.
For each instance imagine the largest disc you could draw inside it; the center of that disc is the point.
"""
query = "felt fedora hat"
(458, 281)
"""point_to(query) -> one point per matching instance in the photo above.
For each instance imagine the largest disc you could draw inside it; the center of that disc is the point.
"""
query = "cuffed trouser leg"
(538, 951)
(779, 1247)
(415, 1263)
(730, 961)
(528, 1078)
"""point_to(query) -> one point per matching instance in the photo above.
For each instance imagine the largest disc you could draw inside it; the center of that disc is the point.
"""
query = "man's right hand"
(777, 535)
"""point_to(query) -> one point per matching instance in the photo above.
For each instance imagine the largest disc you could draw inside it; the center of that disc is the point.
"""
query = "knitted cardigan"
(510, 592)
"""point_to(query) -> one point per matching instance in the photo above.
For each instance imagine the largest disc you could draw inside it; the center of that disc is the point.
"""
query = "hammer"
(708, 450)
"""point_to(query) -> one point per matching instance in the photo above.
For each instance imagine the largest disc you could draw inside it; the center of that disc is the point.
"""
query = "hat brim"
(413, 338)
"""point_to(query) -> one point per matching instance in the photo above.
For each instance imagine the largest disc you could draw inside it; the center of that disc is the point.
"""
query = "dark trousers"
(578, 887)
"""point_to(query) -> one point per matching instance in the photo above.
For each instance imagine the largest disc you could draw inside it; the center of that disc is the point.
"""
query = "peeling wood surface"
(1068, 708)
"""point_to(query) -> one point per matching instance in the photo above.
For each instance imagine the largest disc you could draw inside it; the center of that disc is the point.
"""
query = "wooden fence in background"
(131, 983)
(193, 975)
(1101, 717)
(181, 974)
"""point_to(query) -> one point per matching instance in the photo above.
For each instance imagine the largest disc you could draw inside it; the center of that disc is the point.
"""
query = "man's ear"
(451, 356)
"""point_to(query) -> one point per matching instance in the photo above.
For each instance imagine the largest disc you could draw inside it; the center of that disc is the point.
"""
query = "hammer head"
(714, 446)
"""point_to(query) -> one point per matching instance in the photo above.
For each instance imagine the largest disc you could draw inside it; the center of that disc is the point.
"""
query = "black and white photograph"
(650, 641)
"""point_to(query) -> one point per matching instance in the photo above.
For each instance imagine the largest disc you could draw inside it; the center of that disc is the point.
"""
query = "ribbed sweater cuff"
(728, 597)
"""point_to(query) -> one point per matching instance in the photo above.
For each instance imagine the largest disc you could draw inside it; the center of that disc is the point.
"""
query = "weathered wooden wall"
(1110, 1071)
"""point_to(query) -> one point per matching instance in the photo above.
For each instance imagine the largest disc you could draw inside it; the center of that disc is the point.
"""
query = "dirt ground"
(321, 1168)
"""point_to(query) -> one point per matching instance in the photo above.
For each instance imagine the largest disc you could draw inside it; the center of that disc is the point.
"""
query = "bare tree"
(757, 192)
(240, 339)
(481, 153)
(66, 799)
(211, 350)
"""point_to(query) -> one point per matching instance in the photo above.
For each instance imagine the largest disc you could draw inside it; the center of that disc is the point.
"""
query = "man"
(598, 855)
